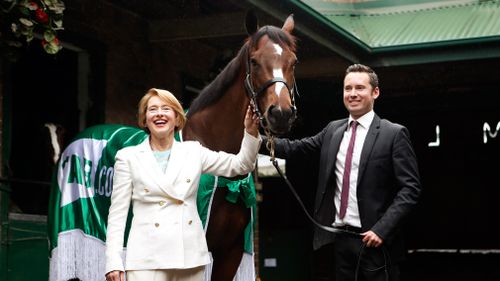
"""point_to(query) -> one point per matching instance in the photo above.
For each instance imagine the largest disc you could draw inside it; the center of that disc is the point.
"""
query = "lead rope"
(384, 267)
(270, 145)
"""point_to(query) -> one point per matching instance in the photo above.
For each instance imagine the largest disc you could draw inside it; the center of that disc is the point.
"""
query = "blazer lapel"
(179, 156)
(150, 165)
(335, 145)
(176, 162)
(371, 137)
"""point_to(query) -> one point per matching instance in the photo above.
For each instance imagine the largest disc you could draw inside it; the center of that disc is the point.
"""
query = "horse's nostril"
(279, 119)
(263, 123)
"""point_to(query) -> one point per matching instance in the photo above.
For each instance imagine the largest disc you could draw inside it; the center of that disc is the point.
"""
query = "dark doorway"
(45, 89)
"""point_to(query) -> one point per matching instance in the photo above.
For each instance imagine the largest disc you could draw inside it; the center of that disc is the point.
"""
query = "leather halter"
(252, 94)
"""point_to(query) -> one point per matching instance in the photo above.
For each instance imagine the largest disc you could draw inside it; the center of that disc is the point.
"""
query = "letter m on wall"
(487, 131)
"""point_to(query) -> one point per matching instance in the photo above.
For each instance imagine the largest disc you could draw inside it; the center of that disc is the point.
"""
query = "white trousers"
(188, 274)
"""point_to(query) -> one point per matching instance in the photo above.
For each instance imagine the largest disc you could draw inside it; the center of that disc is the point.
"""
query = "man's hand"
(371, 239)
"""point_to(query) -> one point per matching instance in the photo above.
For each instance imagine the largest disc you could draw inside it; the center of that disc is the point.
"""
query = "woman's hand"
(115, 275)
(252, 122)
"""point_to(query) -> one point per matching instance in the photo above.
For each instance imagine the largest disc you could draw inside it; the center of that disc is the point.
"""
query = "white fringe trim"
(77, 255)
(245, 272)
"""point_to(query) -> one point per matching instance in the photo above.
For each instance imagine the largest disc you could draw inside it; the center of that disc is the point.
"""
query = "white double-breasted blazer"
(166, 231)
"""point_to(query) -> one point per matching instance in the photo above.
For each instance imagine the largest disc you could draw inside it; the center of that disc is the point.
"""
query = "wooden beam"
(222, 25)
(316, 68)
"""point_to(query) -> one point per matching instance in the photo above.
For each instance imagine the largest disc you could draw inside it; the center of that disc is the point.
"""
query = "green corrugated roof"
(386, 24)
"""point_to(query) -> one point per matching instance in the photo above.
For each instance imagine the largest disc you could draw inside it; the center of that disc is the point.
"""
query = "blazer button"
(179, 202)
(157, 224)
(190, 222)
(146, 190)
(162, 203)
(188, 180)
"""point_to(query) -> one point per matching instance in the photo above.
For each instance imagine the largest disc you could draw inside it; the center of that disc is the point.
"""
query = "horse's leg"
(225, 235)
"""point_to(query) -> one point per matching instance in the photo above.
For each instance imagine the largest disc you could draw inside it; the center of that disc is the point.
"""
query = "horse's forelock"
(277, 35)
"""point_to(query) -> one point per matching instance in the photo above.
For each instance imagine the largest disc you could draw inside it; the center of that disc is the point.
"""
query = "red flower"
(55, 42)
(41, 16)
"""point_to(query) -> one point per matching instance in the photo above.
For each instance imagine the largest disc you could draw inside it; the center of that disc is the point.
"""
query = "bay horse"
(261, 74)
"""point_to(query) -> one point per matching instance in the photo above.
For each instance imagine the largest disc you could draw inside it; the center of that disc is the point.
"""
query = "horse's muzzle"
(279, 120)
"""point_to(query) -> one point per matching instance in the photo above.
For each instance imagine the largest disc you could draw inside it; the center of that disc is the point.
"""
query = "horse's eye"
(254, 62)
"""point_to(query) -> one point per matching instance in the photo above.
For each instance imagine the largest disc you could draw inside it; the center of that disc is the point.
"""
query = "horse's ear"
(251, 22)
(289, 24)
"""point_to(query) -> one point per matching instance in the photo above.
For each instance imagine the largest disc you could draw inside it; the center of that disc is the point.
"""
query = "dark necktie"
(344, 196)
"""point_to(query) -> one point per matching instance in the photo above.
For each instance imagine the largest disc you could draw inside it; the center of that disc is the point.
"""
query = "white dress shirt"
(352, 214)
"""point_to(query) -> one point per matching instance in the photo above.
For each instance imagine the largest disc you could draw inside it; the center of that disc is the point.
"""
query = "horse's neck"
(220, 126)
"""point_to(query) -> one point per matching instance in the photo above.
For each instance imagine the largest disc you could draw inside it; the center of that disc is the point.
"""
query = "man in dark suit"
(368, 182)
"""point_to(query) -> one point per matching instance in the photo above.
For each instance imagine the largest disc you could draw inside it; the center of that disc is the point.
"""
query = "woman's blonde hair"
(169, 99)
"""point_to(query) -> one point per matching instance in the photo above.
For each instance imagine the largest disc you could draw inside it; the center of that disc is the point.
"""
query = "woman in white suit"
(160, 178)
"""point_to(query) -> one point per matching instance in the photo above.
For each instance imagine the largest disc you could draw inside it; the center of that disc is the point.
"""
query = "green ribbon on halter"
(240, 189)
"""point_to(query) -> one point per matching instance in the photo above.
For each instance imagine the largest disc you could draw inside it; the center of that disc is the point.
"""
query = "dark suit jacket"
(388, 181)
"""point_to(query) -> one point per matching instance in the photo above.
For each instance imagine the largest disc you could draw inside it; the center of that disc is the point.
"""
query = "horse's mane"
(215, 90)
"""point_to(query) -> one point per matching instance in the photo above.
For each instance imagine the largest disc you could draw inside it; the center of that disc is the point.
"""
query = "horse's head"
(270, 80)
(55, 138)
